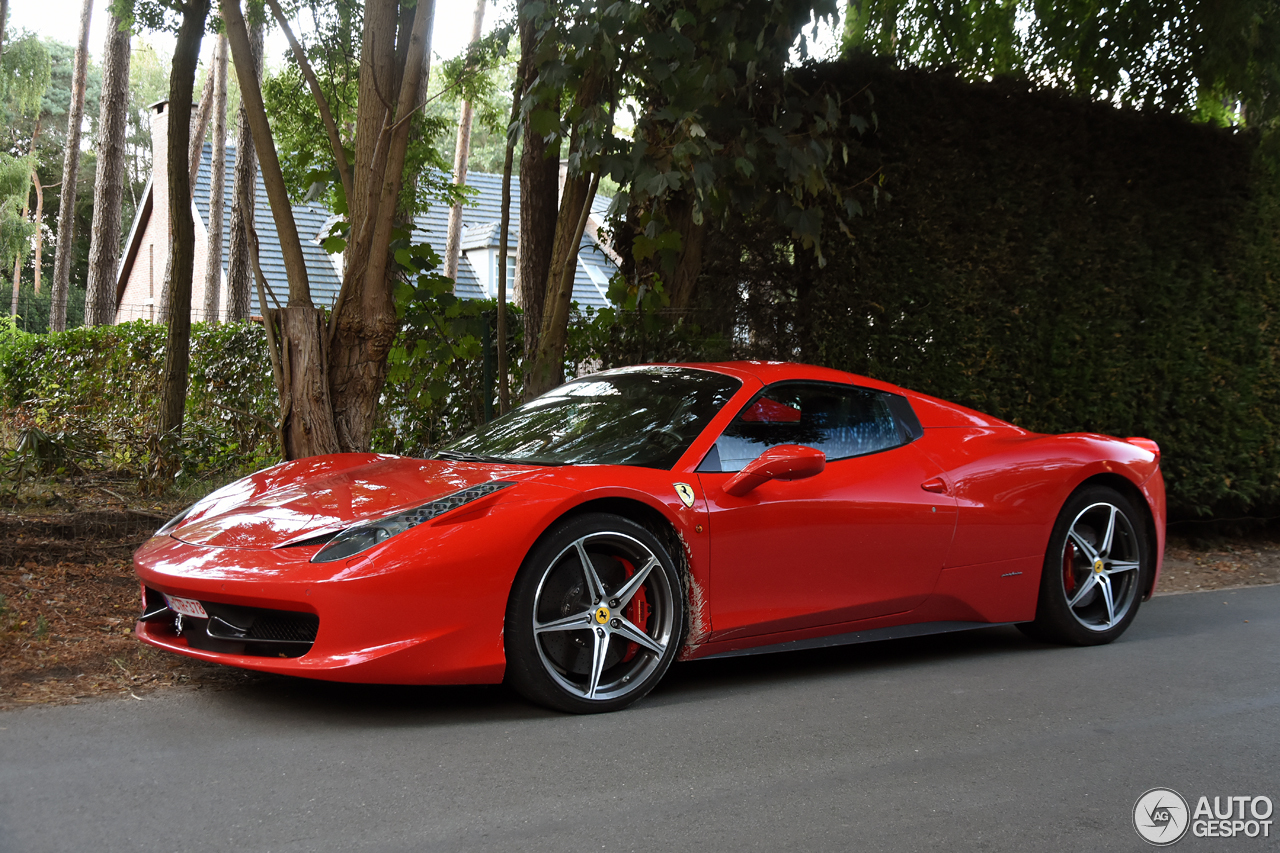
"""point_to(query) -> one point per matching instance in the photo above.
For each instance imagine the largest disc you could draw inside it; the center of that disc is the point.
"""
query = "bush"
(97, 389)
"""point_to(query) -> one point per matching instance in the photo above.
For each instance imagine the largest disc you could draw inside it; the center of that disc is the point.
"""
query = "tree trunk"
(364, 323)
(217, 172)
(17, 261)
(308, 429)
(272, 176)
(186, 55)
(108, 185)
(539, 202)
(239, 270)
(453, 244)
(517, 95)
(306, 415)
(70, 166)
(37, 253)
(547, 369)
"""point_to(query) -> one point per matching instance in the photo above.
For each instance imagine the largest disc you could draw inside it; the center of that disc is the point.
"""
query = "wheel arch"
(697, 621)
(1130, 490)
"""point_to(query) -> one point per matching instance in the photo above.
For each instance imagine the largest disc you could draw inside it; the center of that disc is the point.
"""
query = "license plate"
(186, 606)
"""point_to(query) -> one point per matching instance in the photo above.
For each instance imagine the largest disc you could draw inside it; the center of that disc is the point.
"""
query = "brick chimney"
(160, 166)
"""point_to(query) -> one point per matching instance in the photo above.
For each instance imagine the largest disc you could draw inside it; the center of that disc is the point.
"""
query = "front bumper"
(378, 619)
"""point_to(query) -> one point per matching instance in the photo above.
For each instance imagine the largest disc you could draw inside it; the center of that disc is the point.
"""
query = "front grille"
(285, 627)
(235, 629)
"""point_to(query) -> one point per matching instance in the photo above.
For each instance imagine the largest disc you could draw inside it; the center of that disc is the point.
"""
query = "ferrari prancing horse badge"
(685, 493)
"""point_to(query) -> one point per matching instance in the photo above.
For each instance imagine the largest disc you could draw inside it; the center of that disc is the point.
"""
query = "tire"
(596, 616)
(1092, 581)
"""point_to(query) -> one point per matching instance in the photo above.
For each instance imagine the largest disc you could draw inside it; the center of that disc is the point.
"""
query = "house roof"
(482, 226)
(322, 276)
(481, 229)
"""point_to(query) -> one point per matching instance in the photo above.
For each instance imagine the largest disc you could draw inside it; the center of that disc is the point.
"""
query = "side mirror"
(784, 462)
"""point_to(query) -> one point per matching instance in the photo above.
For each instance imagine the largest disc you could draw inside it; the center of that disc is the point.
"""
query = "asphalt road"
(979, 741)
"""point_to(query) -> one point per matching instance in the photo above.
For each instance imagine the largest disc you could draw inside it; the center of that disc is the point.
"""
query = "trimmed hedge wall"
(1060, 264)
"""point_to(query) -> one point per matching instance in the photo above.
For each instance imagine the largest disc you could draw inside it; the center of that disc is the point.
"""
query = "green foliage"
(15, 229)
(306, 156)
(617, 337)
(1063, 265)
(1196, 57)
(24, 76)
(92, 395)
(33, 308)
(436, 370)
(715, 117)
(485, 76)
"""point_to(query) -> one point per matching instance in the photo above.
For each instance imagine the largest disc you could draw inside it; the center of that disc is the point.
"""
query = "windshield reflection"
(646, 416)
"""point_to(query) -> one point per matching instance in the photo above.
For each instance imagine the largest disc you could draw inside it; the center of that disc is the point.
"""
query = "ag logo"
(1160, 816)
(685, 493)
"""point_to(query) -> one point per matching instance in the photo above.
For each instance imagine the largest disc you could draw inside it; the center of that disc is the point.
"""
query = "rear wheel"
(1091, 585)
(596, 616)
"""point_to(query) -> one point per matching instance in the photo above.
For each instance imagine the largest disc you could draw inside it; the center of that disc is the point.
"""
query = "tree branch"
(326, 115)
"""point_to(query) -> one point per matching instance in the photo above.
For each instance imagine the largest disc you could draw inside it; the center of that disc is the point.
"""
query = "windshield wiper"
(468, 457)
(458, 456)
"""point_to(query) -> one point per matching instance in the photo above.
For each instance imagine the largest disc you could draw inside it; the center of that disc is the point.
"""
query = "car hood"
(303, 500)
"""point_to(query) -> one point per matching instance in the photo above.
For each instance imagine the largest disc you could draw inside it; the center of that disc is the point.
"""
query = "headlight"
(364, 536)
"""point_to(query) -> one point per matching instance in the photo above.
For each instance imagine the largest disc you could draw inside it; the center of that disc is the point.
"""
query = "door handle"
(937, 485)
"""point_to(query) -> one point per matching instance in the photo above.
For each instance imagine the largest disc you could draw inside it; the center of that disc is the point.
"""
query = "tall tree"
(453, 242)
(539, 186)
(70, 170)
(204, 111)
(329, 379)
(24, 76)
(513, 132)
(217, 172)
(239, 271)
(108, 186)
(177, 350)
(364, 323)
(715, 113)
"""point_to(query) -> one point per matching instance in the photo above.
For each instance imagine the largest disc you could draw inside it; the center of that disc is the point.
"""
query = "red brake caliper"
(637, 611)
(1068, 567)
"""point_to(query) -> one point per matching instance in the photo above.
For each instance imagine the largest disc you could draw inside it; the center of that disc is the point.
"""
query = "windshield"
(645, 416)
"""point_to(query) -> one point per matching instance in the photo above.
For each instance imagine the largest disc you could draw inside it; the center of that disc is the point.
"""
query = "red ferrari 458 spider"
(579, 544)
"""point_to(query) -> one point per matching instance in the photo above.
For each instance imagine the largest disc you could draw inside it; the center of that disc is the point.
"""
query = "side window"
(840, 420)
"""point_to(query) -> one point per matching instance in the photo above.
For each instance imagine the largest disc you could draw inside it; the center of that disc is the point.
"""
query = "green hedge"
(1061, 264)
(98, 390)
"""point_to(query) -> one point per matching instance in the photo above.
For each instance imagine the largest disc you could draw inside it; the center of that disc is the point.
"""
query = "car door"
(863, 538)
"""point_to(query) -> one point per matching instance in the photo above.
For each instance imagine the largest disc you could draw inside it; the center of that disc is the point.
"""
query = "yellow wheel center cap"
(1098, 566)
(602, 615)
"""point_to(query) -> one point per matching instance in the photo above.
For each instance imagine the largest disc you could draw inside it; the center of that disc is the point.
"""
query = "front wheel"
(596, 616)
(1091, 585)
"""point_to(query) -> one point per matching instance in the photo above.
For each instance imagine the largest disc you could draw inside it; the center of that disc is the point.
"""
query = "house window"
(511, 274)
